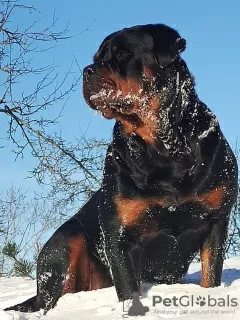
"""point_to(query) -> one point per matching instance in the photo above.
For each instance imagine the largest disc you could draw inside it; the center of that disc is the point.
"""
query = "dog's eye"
(122, 54)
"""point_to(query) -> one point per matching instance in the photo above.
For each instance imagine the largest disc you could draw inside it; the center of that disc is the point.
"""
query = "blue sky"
(211, 29)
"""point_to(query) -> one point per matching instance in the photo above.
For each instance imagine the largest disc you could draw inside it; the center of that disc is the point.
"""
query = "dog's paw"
(137, 309)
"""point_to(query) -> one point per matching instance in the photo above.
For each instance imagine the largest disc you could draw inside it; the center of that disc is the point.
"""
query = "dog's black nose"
(88, 71)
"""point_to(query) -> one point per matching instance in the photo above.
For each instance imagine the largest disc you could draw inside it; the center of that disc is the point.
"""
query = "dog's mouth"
(111, 104)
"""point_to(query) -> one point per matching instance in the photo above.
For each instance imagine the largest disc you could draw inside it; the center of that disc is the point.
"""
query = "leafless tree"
(74, 172)
(71, 169)
(19, 44)
(233, 248)
(26, 225)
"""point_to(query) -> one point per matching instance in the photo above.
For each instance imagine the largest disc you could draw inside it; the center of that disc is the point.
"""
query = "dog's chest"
(151, 169)
(171, 222)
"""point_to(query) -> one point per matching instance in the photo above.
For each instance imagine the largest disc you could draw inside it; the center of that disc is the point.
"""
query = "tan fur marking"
(131, 211)
(82, 273)
(141, 123)
(77, 258)
(148, 73)
(206, 267)
(140, 119)
(213, 199)
(148, 129)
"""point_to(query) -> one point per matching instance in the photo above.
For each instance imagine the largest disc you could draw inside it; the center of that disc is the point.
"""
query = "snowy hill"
(217, 303)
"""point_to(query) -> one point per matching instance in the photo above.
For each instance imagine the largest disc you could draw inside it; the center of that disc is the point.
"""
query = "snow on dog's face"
(134, 74)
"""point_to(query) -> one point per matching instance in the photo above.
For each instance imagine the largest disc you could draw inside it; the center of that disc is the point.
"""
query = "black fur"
(170, 177)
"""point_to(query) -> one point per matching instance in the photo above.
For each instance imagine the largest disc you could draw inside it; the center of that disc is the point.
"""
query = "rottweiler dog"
(169, 183)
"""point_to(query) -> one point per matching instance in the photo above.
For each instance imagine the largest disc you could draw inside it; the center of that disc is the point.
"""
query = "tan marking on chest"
(213, 199)
(131, 211)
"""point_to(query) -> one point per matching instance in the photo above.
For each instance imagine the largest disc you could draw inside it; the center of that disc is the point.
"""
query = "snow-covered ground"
(103, 304)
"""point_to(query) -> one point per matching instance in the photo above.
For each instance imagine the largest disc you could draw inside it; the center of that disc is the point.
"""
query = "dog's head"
(134, 75)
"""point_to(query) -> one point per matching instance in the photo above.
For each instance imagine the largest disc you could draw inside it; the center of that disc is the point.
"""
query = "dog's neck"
(181, 131)
(185, 121)
(171, 132)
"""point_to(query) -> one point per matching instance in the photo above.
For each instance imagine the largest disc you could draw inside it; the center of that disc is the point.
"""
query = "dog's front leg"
(121, 265)
(212, 252)
(122, 269)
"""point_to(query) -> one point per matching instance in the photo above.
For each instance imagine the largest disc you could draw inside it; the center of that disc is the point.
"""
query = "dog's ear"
(103, 47)
(168, 44)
